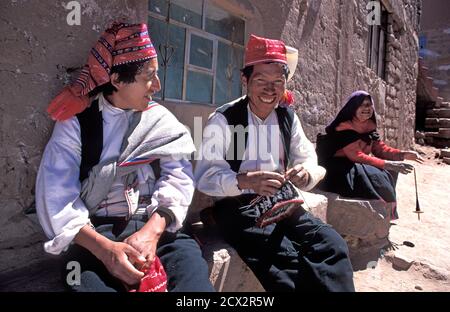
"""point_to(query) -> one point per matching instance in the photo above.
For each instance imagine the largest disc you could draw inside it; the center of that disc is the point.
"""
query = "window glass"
(158, 6)
(197, 27)
(199, 87)
(223, 24)
(173, 85)
(228, 75)
(201, 52)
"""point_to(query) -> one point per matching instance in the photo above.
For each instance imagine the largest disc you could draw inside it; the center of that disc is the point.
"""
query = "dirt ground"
(426, 266)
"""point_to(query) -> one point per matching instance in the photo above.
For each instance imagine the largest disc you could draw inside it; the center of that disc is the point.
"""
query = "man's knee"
(330, 238)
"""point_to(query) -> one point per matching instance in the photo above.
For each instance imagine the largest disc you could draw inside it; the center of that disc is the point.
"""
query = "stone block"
(444, 133)
(431, 134)
(439, 113)
(446, 160)
(440, 142)
(366, 222)
(445, 153)
(391, 133)
(436, 123)
(401, 261)
(395, 124)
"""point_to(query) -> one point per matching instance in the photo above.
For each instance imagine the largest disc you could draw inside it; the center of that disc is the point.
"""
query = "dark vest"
(236, 114)
(91, 127)
(91, 130)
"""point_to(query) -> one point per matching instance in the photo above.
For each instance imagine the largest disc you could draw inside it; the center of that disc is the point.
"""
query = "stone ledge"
(315, 203)
(363, 223)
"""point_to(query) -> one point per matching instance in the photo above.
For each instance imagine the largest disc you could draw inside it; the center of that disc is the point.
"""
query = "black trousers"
(299, 253)
(180, 256)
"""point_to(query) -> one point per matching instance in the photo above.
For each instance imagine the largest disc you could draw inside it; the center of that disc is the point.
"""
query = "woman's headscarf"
(349, 110)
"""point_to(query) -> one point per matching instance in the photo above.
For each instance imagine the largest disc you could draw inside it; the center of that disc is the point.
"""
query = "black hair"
(126, 73)
(248, 71)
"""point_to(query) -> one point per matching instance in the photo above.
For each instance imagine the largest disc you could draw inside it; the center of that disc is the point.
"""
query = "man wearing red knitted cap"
(256, 176)
(115, 181)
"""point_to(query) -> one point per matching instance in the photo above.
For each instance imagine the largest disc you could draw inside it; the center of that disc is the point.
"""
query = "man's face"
(365, 110)
(136, 95)
(265, 87)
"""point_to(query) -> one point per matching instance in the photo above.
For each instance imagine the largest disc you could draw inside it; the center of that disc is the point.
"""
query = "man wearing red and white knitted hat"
(251, 148)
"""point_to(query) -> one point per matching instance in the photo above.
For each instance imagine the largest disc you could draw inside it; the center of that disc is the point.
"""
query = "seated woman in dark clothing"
(359, 164)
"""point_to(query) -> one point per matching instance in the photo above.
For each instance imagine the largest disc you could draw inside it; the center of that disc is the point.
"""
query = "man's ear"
(244, 81)
(115, 80)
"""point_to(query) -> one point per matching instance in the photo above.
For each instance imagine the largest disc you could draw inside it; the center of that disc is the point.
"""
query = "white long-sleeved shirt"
(60, 210)
(264, 151)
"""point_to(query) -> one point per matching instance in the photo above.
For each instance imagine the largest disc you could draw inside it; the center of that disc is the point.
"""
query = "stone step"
(438, 113)
(436, 123)
(438, 142)
(445, 105)
(445, 153)
(447, 160)
(444, 133)
(431, 134)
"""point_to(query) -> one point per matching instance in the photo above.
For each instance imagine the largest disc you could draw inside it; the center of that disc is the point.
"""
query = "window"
(376, 58)
(200, 48)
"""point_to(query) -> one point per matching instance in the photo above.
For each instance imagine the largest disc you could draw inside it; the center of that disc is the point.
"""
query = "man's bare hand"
(119, 258)
(145, 240)
(298, 175)
(261, 182)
